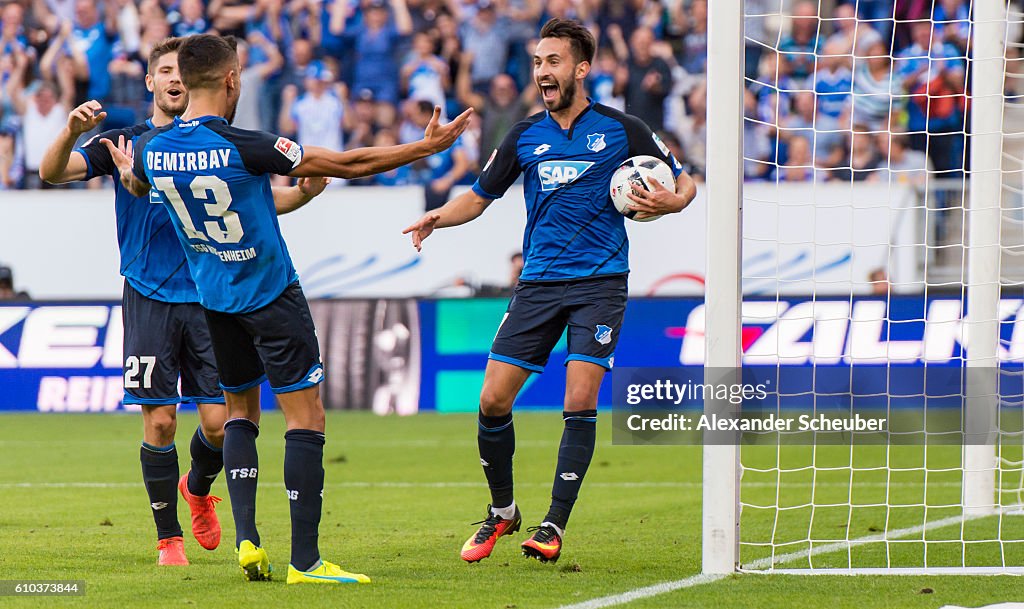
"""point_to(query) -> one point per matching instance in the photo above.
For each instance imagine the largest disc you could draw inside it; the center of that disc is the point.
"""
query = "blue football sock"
(207, 461)
(241, 463)
(160, 473)
(304, 480)
(574, 455)
(496, 439)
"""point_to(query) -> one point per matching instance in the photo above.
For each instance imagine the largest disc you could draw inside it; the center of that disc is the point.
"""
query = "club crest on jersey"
(556, 174)
(595, 142)
(288, 148)
(603, 334)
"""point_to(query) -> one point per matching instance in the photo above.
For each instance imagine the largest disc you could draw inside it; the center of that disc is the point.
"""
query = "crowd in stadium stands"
(845, 96)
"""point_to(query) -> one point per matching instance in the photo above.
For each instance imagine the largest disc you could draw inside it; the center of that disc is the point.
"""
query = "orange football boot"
(545, 545)
(205, 525)
(479, 546)
(172, 552)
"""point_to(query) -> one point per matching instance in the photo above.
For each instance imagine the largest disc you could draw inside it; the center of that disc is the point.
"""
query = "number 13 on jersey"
(202, 188)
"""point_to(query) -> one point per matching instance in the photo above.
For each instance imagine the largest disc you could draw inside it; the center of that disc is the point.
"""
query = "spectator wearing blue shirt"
(802, 41)
(833, 82)
(375, 40)
(952, 20)
(933, 73)
(425, 75)
(189, 19)
(695, 40)
(486, 37)
(333, 14)
(95, 40)
(12, 29)
(602, 80)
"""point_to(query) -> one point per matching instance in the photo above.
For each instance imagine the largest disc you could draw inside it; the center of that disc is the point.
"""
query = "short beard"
(568, 94)
(171, 110)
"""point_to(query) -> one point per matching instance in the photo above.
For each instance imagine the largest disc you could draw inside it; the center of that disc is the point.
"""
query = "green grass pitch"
(399, 498)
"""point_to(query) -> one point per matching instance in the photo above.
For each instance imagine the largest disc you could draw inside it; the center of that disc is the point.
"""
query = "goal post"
(867, 264)
(721, 472)
(983, 251)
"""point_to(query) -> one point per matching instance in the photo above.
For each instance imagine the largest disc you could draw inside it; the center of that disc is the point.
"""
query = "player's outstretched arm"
(59, 165)
(122, 156)
(464, 208)
(661, 200)
(289, 198)
(363, 162)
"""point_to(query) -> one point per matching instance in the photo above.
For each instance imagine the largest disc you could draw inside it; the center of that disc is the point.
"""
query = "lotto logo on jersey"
(556, 174)
(289, 149)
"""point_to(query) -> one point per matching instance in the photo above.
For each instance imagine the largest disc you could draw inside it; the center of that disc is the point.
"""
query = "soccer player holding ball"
(575, 273)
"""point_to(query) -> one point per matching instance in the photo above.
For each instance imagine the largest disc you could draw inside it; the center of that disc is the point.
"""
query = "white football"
(638, 171)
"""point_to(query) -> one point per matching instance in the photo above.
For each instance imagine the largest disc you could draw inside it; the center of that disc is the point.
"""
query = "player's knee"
(580, 398)
(494, 403)
(162, 425)
(213, 434)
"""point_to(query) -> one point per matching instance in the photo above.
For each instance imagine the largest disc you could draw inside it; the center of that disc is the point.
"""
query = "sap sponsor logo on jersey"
(838, 332)
(556, 174)
(52, 343)
(290, 150)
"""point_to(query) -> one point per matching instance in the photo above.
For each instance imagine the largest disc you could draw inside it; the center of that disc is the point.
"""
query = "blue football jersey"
(573, 230)
(152, 260)
(214, 179)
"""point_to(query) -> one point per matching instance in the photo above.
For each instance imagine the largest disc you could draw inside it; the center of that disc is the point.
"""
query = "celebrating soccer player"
(165, 333)
(576, 264)
(215, 181)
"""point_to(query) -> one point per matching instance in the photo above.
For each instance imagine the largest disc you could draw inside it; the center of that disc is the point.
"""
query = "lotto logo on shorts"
(316, 375)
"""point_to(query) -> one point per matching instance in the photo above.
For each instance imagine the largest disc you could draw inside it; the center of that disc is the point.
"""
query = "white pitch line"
(469, 484)
(764, 563)
(350, 484)
(770, 561)
(645, 592)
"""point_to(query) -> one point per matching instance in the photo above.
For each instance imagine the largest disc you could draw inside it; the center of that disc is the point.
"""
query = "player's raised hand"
(121, 153)
(422, 229)
(86, 117)
(440, 137)
(655, 202)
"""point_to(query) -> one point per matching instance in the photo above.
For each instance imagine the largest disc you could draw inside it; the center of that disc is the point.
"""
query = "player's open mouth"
(549, 91)
(174, 94)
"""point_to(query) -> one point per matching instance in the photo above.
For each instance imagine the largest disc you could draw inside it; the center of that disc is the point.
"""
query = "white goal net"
(882, 274)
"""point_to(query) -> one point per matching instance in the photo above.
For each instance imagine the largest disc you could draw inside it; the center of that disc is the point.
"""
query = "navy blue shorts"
(591, 309)
(277, 342)
(163, 340)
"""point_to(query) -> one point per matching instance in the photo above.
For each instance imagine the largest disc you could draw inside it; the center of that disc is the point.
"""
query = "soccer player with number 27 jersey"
(576, 263)
(214, 179)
